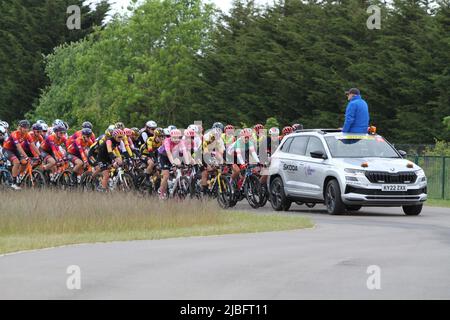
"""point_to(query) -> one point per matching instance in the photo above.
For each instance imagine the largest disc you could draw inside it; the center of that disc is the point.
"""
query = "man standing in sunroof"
(356, 114)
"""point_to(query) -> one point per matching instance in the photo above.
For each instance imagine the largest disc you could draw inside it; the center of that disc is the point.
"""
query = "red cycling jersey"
(51, 145)
(16, 138)
(78, 134)
(77, 146)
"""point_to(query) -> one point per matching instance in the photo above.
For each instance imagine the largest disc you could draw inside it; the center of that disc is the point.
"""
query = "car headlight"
(355, 171)
(420, 172)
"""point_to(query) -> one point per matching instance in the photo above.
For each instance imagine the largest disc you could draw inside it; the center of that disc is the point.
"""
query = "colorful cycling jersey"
(126, 145)
(168, 145)
(151, 145)
(36, 139)
(228, 139)
(52, 144)
(240, 147)
(78, 146)
(79, 134)
(103, 154)
(16, 138)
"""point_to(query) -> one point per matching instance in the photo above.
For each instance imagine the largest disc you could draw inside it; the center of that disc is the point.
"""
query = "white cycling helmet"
(274, 131)
(171, 127)
(194, 127)
(41, 122)
(166, 131)
(151, 124)
(2, 129)
(44, 127)
(4, 124)
(58, 122)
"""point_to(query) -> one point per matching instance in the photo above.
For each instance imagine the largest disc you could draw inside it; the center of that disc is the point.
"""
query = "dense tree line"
(179, 61)
(30, 29)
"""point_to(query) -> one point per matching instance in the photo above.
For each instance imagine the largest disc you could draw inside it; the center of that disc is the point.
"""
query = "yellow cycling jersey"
(151, 145)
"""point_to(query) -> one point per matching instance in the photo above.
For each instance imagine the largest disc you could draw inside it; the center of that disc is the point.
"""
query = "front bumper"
(355, 195)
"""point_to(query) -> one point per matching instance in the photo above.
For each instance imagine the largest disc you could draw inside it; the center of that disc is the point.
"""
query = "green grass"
(438, 203)
(34, 220)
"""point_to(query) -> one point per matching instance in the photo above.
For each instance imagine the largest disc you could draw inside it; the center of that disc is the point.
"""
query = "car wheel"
(278, 198)
(333, 200)
(412, 210)
(353, 208)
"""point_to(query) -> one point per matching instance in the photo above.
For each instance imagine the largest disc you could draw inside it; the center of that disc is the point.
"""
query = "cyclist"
(76, 152)
(13, 150)
(51, 151)
(213, 150)
(146, 132)
(169, 153)
(107, 155)
(244, 146)
(149, 151)
(286, 131)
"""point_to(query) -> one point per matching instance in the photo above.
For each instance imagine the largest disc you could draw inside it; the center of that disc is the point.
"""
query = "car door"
(292, 165)
(314, 170)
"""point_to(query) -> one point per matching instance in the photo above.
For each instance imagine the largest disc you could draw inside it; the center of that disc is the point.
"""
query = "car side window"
(285, 146)
(298, 145)
(314, 145)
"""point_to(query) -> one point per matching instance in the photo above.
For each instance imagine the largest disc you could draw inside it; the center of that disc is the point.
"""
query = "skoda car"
(345, 172)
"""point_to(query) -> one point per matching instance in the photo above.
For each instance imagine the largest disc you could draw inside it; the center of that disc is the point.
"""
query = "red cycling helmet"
(189, 133)
(128, 132)
(175, 133)
(229, 127)
(117, 133)
(247, 132)
(287, 130)
(258, 127)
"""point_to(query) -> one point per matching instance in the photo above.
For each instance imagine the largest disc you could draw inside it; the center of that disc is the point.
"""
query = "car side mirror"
(402, 153)
(318, 155)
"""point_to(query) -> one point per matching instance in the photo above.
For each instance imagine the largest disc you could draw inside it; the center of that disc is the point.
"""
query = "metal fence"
(437, 170)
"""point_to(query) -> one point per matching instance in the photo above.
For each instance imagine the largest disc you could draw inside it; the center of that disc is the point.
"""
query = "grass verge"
(438, 203)
(34, 220)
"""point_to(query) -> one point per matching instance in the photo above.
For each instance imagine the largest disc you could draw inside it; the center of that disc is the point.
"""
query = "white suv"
(345, 172)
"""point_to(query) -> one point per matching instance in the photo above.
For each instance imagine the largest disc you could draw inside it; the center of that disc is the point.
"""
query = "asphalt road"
(327, 262)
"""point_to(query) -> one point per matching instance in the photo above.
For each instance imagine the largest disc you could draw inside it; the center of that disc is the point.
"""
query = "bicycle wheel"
(5, 178)
(36, 180)
(252, 190)
(125, 183)
(86, 182)
(224, 192)
(181, 190)
(65, 180)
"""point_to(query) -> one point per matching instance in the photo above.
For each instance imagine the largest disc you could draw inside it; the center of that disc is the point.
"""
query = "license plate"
(394, 187)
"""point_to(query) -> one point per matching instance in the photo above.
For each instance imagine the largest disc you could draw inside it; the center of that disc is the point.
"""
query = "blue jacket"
(356, 116)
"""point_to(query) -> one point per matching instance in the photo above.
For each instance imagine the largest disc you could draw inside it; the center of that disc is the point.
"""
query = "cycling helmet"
(297, 126)
(86, 131)
(274, 131)
(66, 125)
(229, 127)
(258, 127)
(117, 133)
(189, 133)
(37, 127)
(287, 130)
(24, 124)
(44, 127)
(151, 124)
(166, 131)
(158, 132)
(128, 132)
(171, 127)
(119, 125)
(41, 122)
(59, 128)
(175, 133)
(2, 129)
(57, 122)
(136, 131)
(247, 132)
(110, 130)
(194, 128)
(4, 124)
(87, 124)
(218, 125)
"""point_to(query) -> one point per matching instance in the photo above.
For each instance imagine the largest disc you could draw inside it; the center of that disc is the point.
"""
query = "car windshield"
(360, 146)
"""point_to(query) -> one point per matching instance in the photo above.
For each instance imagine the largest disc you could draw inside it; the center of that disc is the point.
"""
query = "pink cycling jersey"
(168, 144)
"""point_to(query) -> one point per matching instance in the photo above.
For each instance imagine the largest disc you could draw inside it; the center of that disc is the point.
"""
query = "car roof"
(326, 132)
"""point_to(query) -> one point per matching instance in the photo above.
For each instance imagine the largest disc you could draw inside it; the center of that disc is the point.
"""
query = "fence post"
(443, 178)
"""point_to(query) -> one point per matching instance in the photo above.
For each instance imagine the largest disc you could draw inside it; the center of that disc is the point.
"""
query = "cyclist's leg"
(12, 157)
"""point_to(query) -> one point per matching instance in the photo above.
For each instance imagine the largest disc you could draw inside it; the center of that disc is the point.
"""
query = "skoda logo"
(392, 169)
